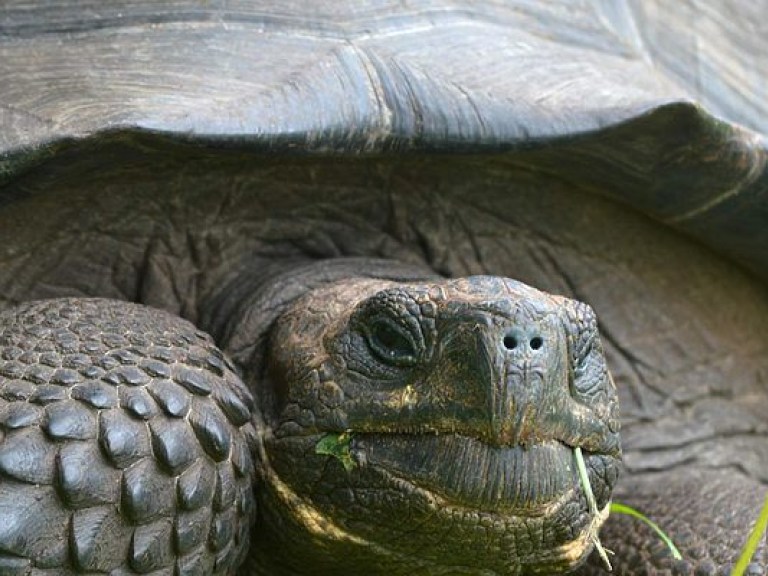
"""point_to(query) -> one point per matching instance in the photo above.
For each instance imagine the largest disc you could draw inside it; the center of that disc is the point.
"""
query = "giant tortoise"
(334, 287)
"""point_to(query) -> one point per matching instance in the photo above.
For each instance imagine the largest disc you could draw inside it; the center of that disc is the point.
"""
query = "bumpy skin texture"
(464, 400)
(124, 444)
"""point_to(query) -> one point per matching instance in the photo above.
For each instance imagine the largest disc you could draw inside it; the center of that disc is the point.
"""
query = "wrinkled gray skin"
(184, 154)
(693, 437)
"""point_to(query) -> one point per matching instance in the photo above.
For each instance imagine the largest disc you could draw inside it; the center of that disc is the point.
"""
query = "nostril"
(536, 343)
(510, 342)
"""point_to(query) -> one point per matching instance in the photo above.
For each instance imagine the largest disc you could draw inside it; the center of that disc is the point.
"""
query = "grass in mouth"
(594, 526)
(750, 547)
(616, 508)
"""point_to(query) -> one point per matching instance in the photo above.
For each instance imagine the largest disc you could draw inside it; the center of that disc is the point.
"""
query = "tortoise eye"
(389, 342)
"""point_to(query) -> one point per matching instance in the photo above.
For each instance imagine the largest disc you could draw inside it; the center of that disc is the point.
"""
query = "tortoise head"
(455, 407)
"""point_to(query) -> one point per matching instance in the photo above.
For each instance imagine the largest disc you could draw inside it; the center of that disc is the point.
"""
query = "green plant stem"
(629, 511)
(760, 527)
(592, 504)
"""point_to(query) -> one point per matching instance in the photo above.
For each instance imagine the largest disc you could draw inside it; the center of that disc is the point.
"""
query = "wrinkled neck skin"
(461, 401)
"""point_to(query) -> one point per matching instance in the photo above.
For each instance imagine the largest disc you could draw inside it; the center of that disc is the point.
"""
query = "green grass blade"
(584, 477)
(629, 511)
(761, 525)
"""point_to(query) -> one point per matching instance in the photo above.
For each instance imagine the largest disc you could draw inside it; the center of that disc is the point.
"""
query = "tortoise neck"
(241, 314)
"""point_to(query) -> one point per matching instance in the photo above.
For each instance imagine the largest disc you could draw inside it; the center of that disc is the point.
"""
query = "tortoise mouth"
(466, 472)
(442, 498)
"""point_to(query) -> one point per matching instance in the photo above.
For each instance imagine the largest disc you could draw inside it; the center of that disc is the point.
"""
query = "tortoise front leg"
(124, 444)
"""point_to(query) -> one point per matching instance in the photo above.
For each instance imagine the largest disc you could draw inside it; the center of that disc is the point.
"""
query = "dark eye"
(390, 343)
